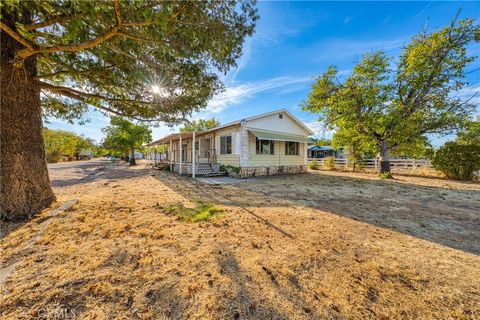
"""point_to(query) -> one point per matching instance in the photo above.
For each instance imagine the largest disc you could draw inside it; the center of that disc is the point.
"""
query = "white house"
(269, 143)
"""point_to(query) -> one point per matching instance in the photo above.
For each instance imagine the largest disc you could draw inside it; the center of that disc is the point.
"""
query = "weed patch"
(201, 212)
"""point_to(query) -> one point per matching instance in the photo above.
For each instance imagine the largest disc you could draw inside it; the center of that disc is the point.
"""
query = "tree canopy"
(60, 143)
(124, 136)
(470, 132)
(396, 106)
(200, 125)
(151, 60)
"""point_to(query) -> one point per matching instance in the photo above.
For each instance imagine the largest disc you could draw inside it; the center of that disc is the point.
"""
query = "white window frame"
(297, 148)
(259, 149)
(224, 148)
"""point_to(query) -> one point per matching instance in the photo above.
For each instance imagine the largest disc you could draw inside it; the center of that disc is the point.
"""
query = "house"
(269, 143)
(319, 152)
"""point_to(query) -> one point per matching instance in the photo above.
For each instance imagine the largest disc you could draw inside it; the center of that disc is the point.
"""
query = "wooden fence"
(396, 165)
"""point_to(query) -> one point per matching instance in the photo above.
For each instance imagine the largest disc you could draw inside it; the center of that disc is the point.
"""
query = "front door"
(205, 148)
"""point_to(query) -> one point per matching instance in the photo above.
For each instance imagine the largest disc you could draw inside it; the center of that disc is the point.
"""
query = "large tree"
(200, 125)
(151, 60)
(124, 136)
(397, 106)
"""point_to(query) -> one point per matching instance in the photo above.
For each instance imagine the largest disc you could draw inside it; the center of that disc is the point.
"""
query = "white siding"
(274, 123)
(229, 159)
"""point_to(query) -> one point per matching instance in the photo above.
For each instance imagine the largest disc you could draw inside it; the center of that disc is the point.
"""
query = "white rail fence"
(396, 165)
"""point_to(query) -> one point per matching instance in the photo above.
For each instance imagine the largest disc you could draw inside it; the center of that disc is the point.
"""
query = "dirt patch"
(291, 247)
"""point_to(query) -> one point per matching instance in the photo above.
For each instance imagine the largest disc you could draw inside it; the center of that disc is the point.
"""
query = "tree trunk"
(132, 157)
(384, 158)
(24, 183)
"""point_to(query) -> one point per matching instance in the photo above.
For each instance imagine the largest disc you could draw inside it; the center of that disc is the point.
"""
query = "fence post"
(376, 164)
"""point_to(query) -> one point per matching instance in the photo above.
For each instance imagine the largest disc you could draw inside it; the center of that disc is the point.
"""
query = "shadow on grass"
(442, 215)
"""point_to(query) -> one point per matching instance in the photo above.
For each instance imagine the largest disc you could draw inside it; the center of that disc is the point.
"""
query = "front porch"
(189, 153)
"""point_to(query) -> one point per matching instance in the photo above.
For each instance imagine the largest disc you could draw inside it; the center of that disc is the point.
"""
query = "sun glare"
(156, 89)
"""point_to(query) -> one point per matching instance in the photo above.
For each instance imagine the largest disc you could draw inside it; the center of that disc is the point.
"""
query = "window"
(226, 145)
(265, 146)
(291, 148)
(280, 115)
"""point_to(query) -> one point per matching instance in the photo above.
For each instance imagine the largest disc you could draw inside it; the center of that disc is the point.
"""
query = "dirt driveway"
(308, 246)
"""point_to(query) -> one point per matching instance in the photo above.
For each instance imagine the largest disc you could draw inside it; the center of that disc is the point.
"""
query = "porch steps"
(206, 169)
(217, 174)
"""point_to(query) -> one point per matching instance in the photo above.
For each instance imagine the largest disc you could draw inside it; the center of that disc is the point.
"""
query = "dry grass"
(120, 253)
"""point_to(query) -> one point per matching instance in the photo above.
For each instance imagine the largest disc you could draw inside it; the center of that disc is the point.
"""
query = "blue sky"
(296, 41)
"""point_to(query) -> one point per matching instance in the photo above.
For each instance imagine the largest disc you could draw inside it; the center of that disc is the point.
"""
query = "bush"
(229, 168)
(386, 175)
(53, 157)
(313, 165)
(329, 163)
(457, 161)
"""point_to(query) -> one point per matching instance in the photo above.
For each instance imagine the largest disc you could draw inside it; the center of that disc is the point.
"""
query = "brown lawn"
(308, 246)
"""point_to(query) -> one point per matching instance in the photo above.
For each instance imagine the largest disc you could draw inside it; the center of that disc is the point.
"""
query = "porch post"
(163, 153)
(193, 155)
(180, 154)
(170, 155)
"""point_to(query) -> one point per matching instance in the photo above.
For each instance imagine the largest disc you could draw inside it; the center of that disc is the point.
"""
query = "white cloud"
(235, 94)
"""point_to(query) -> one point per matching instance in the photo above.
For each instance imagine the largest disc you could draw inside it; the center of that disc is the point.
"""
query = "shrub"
(386, 175)
(229, 168)
(313, 165)
(53, 157)
(457, 161)
(329, 163)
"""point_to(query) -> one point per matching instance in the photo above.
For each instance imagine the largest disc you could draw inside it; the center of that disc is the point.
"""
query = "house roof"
(275, 136)
(185, 135)
(321, 148)
(283, 110)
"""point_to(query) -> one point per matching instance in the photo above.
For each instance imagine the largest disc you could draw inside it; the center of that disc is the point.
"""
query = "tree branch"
(61, 89)
(49, 22)
(23, 54)
(16, 36)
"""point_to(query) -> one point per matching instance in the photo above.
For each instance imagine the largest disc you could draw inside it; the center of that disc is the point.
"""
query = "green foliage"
(201, 212)
(124, 136)
(386, 175)
(458, 160)
(229, 168)
(394, 109)
(323, 142)
(313, 165)
(60, 143)
(329, 163)
(470, 132)
(155, 60)
(200, 125)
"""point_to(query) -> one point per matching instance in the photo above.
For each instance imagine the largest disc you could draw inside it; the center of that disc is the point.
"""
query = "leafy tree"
(150, 60)
(125, 136)
(470, 132)
(323, 142)
(60, 143)
(357, 147)
(200, 125)
(395, 107)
